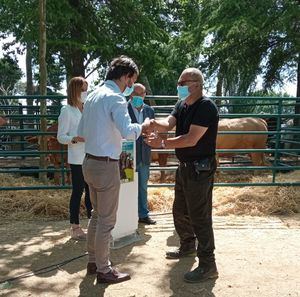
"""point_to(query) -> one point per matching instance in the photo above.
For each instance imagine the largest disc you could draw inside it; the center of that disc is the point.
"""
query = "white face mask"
(83, 96)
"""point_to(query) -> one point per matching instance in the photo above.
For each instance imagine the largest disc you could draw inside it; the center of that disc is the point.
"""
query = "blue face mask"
(183, 92)
(137, 101)
(128, 91)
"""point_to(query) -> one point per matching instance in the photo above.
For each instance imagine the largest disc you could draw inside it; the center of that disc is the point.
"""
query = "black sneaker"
(181, 253)
(147, 221)
(202, 273)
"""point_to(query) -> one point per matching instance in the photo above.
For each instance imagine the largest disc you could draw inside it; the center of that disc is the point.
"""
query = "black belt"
(185, 164)
(100, 158)
(191, 163)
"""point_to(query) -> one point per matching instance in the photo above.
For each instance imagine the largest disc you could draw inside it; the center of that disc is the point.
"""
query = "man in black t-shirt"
(196, 119)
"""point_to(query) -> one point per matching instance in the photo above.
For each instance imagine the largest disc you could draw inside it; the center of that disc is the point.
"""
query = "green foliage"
(10, 73)
(271, 106)
(232, 41)
(250, 38)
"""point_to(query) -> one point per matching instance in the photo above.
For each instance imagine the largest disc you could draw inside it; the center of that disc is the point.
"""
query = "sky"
(289, 87)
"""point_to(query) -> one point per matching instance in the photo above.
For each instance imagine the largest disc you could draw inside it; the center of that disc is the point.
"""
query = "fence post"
(21, 122)
(278, 137)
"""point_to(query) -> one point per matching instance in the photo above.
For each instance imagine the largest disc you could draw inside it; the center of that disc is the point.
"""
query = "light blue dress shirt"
(105, 122)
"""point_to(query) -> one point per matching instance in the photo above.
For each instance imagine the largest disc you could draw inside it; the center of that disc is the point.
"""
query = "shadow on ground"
(41, 248)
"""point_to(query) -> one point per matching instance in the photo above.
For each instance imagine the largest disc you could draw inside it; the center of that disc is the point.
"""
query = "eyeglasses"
(183, 83)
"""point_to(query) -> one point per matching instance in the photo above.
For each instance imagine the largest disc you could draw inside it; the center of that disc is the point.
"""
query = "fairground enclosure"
(246, 53)
(262, 152)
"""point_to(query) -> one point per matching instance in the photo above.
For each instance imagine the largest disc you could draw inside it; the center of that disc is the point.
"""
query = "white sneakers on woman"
(77, 233)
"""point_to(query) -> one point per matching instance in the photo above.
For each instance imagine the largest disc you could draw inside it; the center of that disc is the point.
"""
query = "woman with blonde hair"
(68, 121)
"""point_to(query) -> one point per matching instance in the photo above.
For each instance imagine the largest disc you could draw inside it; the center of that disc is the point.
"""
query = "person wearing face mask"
(68, 121)
(105, 122)
(196, 119)
(138, 112)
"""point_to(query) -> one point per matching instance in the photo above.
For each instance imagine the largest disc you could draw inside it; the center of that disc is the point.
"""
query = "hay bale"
(259, 201)
(255, 201)
(27, 204)
(160, 199)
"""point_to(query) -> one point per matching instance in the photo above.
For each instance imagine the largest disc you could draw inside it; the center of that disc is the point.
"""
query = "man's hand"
(146, 126)
(149, 127)
(77, 139)
(153, 124)
(154, 140)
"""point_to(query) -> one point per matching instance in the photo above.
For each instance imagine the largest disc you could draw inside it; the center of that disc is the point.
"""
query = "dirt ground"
(256, 256)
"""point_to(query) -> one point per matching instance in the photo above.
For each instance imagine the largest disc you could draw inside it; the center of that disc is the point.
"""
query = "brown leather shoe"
(112, 277)
(91, 268)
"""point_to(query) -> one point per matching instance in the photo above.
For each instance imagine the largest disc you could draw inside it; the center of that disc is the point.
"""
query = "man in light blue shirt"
(105, 122)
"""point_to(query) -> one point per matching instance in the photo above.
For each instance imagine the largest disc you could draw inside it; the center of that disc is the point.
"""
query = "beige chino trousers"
(103, 178)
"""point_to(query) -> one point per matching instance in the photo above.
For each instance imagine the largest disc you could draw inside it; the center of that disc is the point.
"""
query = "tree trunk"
(145, 82)
(76, 53)
(73, 60)
(67, 63)
(29, 82)
(43, 84)
(77, 62)
(219, 89)
(297, 106)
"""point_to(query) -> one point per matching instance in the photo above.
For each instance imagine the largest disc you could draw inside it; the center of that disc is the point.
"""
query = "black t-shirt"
(203, 113)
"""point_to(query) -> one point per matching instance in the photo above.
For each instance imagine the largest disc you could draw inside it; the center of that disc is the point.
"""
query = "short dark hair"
(120, 66)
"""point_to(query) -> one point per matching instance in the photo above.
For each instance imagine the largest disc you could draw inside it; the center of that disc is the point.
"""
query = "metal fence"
(19, 150)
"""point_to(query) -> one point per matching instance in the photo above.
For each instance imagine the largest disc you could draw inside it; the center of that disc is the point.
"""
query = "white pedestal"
(127, 216)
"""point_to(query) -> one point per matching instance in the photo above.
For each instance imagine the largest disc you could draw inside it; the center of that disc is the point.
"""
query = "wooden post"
(297, 106)
(43, 85)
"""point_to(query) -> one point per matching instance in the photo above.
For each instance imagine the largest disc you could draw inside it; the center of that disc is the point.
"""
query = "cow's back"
(242, 141)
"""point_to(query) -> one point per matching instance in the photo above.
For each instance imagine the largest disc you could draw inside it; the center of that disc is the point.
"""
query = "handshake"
(148, 126)
(150, 133)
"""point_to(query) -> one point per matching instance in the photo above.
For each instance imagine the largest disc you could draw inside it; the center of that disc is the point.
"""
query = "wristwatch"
(162, 144)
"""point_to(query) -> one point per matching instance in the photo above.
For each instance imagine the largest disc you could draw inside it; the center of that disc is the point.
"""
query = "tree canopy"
(10, 74)
(248, 39)
(233, 42)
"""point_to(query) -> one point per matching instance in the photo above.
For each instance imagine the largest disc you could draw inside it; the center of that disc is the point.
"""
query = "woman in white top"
(68, 121)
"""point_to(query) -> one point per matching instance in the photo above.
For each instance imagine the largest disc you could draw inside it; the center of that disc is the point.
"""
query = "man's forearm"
(162, 126)
(181, 141)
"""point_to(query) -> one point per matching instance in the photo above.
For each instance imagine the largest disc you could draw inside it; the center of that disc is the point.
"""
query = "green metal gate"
(20, 157)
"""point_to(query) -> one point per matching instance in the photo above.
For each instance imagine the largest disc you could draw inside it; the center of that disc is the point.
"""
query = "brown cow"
(54, 158)
(233, 141)
(244, 141)
(161, 159)
(2, 121)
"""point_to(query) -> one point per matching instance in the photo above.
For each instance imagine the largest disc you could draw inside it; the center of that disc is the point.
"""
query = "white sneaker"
(77, 233)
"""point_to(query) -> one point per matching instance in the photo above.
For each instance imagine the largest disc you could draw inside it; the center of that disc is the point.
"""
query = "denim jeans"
(143, 174)
(192, 209)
